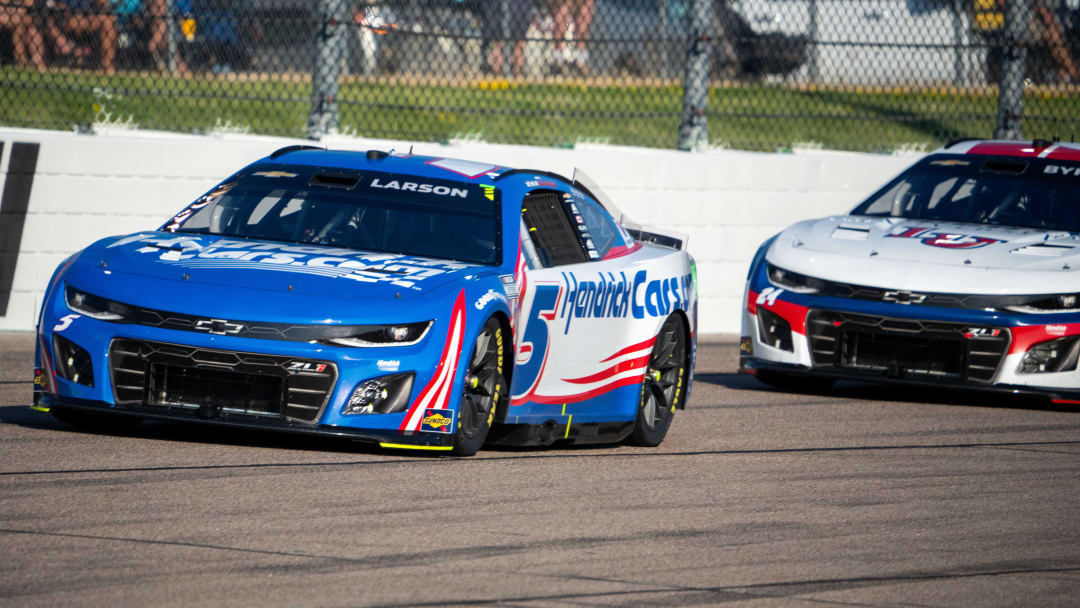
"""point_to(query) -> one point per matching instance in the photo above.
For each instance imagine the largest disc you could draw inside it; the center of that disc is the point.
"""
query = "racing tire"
(94, 421)
(485, 390)
(794, 382)
(664, 386)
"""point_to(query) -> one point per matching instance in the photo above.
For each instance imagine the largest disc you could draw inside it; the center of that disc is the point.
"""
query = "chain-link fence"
(752, 74)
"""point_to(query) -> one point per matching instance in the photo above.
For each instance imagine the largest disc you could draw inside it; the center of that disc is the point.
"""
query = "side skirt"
(565, 433)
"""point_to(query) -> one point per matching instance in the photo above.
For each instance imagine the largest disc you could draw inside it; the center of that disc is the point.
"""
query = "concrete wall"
(88, 186)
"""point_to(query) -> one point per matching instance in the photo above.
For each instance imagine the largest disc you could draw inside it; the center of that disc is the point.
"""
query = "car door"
(572, 298)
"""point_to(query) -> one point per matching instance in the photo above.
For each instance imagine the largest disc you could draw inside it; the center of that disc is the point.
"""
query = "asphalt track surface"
(865, 496)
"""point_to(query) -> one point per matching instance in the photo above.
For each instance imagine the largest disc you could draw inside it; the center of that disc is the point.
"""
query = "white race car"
(964, 270)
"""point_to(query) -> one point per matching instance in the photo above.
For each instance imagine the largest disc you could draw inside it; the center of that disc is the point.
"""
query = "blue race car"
(408, 301)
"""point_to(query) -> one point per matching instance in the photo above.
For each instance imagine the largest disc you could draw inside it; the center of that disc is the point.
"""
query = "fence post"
(812, 70)
(508, 45)
(694, 130)
(1013, 68)
(170, 35)
(329, 53)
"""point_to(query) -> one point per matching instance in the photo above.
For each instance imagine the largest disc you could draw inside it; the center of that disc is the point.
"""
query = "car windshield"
(998, 190)
(365, 211)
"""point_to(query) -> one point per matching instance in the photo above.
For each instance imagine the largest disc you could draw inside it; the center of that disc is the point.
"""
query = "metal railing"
(873, 75)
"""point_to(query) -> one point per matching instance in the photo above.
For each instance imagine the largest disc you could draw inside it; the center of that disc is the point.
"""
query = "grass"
(744, 116)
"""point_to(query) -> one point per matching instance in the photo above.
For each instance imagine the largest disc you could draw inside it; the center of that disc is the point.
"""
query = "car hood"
(264, 280)
(943, 257)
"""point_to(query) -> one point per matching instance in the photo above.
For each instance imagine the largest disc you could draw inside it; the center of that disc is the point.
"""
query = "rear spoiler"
(668, 238)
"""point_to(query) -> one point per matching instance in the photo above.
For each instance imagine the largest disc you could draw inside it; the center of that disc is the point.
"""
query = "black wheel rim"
(482, 383)
(664, 379)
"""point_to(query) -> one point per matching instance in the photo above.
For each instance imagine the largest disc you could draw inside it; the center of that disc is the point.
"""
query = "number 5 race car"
(408, 301)
(963, 271)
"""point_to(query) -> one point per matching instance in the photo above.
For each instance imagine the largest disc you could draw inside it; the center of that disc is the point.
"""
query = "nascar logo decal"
(436, 394)
(945, 240)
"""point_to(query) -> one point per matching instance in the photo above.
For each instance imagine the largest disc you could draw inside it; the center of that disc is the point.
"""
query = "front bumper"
(834, 337)
(299, 387)
(385, 439)
(752, 365)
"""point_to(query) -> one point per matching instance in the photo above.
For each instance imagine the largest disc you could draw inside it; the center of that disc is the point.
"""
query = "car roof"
(1022, 149)
(453, 169)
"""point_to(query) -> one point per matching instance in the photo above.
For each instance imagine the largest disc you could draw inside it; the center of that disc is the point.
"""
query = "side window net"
(549, 226)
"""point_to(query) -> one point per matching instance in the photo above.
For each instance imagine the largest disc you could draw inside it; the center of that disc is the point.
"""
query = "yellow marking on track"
(38, 408)
(406, 446)
(567, 426)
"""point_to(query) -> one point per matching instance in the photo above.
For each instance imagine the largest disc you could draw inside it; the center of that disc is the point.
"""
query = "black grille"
(219, 383)
(905, 347)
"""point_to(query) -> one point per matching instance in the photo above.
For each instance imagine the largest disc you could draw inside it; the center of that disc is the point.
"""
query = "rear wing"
(646, 234)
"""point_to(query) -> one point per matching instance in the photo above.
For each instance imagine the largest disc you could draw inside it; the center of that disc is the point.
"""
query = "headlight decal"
(401, 334)
(793, 281)
(95, 307)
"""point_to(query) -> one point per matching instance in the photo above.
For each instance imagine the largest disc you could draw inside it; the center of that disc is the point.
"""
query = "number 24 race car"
(961, 271)
(407, 301)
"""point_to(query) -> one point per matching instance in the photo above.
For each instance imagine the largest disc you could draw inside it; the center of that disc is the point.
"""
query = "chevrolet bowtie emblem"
(903, 297)
(218, 326)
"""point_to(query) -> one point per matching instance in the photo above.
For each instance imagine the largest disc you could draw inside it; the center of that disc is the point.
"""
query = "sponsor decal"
(746, 346)
(981, 332)
(489, 192)
(510, 286)
(488, 297)
(541, 183)
(190, 252)
(420, 188)
(1062, 170)
(310, 367)
(39, 379)
(613, 296)
(65, 322)
(945, 240)
(388, 365)
(218, 326)
(438, 421)
(1056, 330)
(274, 174)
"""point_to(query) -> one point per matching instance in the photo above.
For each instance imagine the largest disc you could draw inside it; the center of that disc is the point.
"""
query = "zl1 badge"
(438, 421)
